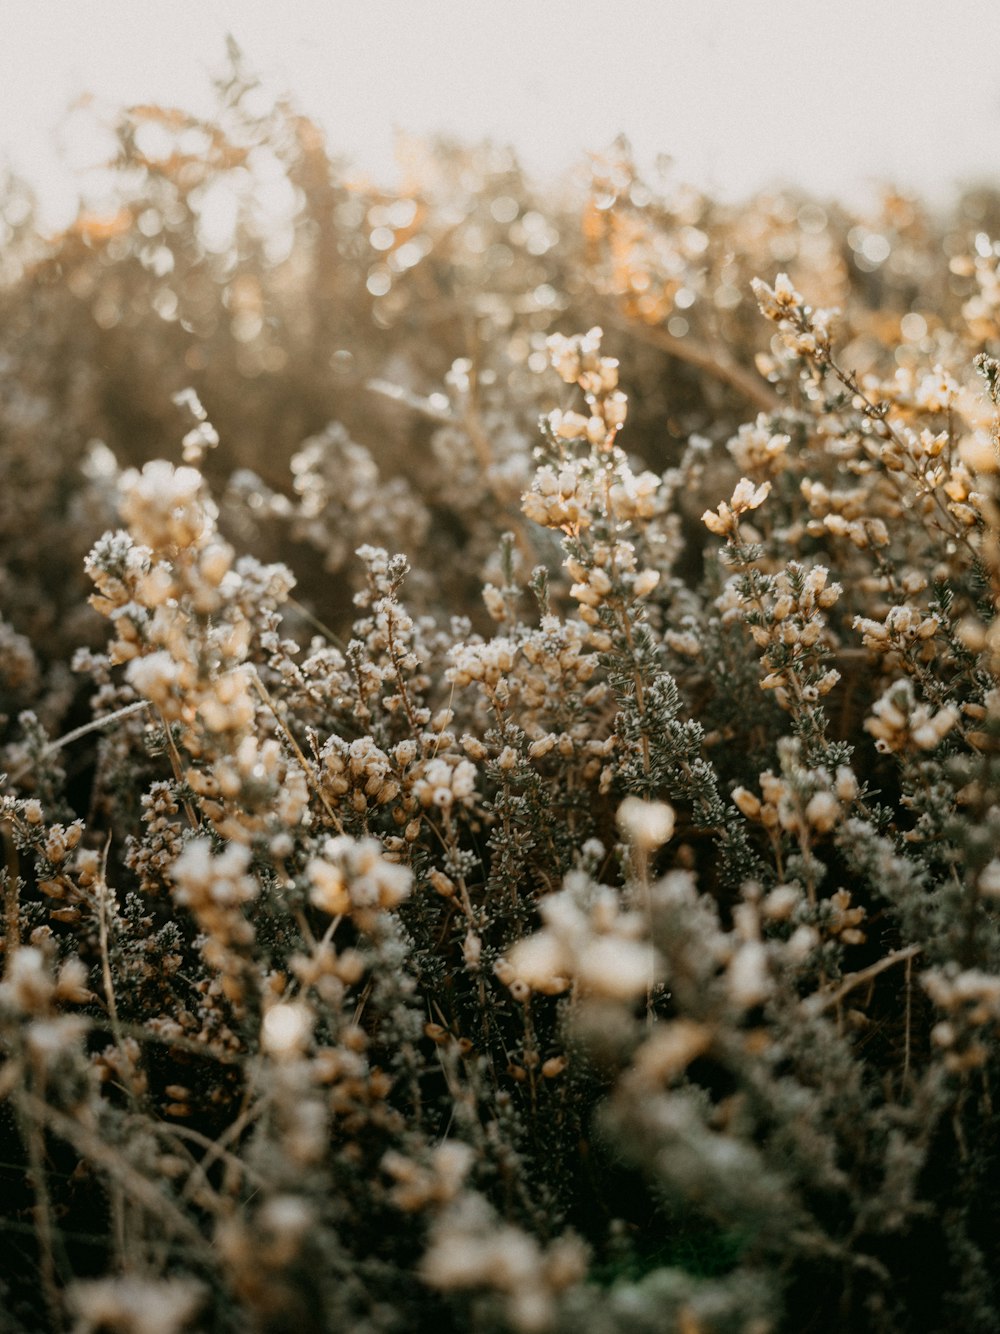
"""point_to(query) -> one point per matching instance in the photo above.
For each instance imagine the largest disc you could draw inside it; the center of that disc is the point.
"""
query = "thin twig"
(909, 1017)
(311, 778)
(819, 1003)
(94, 725)
(12, 896)
(44, 1229)
(714, 361)
(216, 1152)
(178, 770)
(317, 624)
(103, 896)
(109, 1159)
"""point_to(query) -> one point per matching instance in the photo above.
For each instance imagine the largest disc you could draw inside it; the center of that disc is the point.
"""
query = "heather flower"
(745, 497)
(545, 848)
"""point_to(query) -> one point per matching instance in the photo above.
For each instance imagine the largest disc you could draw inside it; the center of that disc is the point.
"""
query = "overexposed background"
(830, 95)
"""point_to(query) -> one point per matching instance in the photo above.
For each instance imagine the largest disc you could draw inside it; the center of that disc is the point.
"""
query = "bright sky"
(828, 94)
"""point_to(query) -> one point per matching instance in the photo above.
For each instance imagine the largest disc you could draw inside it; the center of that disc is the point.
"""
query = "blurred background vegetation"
(370, 360)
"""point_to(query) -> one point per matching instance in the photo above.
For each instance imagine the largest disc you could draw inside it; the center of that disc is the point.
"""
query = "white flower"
(645, 582)
(747, 496)
(989, 880)
(823, 811)
(615, 967)
(541, 962)
(646, 824)
(748, 978)
(154, 676)
(286, 1028)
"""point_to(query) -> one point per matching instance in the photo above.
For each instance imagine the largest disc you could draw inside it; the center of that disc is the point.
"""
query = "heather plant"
(593, 926)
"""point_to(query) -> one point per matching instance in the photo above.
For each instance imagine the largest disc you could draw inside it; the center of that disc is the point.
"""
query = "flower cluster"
(594, 927)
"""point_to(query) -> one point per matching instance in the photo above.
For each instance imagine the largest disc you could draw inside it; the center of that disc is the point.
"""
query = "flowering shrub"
(617, 950)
